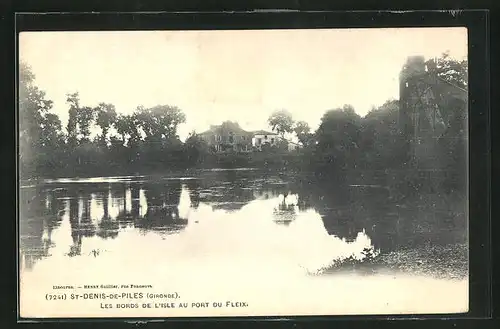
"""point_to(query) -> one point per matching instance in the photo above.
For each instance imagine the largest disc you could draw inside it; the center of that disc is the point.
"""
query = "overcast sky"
(231, 75)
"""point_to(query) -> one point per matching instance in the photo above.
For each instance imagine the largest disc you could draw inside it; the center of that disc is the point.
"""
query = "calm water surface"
(236, 233)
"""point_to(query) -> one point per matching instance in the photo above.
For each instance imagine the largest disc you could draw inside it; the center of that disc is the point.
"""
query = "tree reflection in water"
(41, 211)
(104, 210)
(107, 227)
(391, 225)
(162, 208)
(286, 210)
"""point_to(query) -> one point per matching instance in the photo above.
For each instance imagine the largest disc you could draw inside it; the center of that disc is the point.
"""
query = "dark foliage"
(345, 147)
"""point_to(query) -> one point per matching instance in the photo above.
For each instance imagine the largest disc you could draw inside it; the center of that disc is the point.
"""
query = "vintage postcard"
(243, 172)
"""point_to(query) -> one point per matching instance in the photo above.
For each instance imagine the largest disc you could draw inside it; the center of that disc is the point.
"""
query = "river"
(276, 244)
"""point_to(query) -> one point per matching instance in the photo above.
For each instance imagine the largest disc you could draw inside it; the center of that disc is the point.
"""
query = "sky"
(241, 76)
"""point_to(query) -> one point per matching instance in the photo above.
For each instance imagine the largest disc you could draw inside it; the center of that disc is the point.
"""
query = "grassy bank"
(445, 262)
(261, 160)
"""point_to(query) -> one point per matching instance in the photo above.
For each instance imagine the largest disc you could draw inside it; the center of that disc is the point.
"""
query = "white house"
(262, 137)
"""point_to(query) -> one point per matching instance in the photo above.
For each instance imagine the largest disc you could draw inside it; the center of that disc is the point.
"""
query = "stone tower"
(426, 112)
(421, 114)
(409, 81)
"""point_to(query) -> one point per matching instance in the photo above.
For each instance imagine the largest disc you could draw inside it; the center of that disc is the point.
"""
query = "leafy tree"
(121, 125)
(339, 128)
(106, 118)
(453, 142)
(74, 104)
(196, 148)
(33, 107)
(281, 121)
(160, 122)
(128, 128)
(51, 134)
(337, 138)
(456, 73)
(39, 130)
(452, 70)
(303, 132)
(85, 117)
(159, 125)
(380, 137)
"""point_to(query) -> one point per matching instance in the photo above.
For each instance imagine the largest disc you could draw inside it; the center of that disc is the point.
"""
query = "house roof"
(233, 126)
(206, 132)
(263, 132)
(225, 126)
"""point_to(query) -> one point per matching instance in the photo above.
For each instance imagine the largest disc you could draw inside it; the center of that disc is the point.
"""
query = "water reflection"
(160, 208)
(228, 212)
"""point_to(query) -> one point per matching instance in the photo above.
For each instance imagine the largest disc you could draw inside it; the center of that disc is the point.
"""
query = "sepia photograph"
(214, 173)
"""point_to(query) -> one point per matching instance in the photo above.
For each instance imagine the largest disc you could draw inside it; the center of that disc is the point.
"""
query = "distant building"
(228, 136)
(262, 137)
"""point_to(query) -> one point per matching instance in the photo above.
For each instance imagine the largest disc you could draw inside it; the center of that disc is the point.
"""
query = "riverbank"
(276, 161)
(303, 165)
(440, 262)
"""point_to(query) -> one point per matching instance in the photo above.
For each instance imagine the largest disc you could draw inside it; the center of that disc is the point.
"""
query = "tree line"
(345, 141)
(147, 137)
(147, 140)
